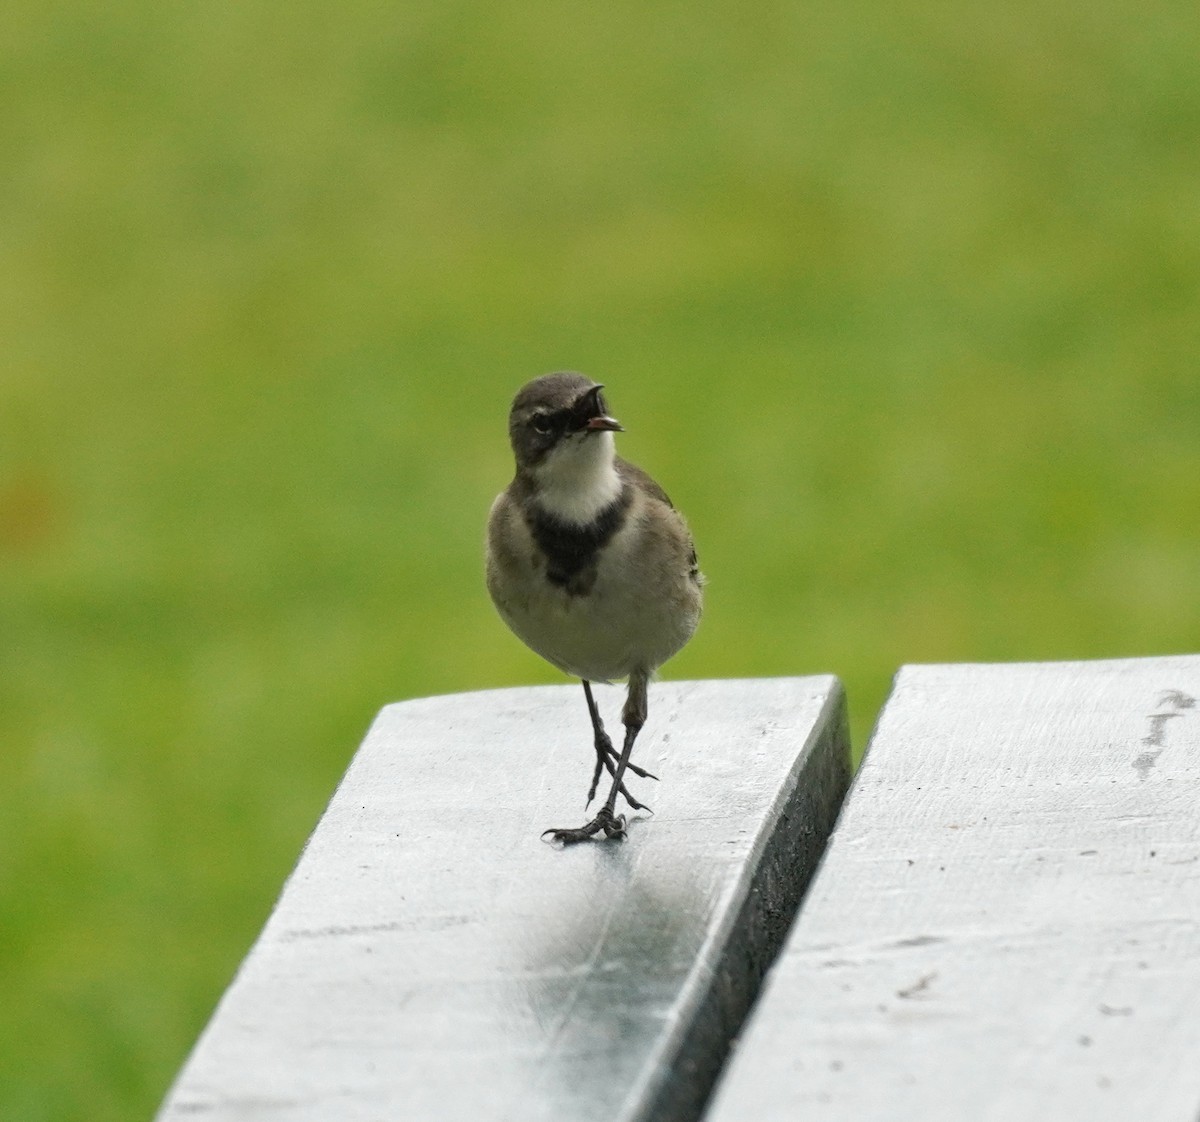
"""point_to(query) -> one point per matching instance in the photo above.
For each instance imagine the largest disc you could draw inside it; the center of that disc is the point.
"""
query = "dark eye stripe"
(546, 423)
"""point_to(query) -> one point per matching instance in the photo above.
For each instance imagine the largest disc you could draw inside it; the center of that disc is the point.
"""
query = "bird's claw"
(606, 822)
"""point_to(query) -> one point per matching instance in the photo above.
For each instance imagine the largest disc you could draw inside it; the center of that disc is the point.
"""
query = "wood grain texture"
(432, 958)
(1006, 924)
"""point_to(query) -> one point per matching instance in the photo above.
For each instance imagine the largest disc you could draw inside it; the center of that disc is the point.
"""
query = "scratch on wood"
(425, 923)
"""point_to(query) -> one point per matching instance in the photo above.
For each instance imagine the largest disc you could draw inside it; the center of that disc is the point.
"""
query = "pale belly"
(618, 627)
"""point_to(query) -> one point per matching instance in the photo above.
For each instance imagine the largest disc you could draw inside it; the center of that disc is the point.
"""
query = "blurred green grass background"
(899, 301)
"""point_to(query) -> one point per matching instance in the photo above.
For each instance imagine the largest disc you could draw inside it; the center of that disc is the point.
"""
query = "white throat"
(578, 479)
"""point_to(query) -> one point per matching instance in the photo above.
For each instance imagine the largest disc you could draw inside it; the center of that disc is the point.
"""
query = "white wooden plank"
(432, 958)
(1006, 924)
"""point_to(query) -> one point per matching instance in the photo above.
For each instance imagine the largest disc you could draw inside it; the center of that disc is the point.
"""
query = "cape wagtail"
(590, 565)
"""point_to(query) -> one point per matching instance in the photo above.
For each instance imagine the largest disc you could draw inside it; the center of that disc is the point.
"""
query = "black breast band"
(571, 550)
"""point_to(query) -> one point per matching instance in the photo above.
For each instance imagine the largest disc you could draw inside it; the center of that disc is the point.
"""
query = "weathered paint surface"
(1006, 925)
(432, 958)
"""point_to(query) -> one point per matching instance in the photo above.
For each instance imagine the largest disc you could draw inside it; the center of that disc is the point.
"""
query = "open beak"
(593, 418)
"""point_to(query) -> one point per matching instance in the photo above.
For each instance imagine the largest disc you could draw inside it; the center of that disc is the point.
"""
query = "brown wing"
(641, 480)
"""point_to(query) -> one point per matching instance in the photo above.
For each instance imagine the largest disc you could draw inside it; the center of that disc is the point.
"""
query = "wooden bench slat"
(431, 958)
(1006, 924)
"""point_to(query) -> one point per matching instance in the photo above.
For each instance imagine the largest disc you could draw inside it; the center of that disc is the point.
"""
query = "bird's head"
(560, 415)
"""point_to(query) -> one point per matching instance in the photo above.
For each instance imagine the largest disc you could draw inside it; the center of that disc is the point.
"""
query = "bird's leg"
(606, 755)
(633, 716)
(604, 746)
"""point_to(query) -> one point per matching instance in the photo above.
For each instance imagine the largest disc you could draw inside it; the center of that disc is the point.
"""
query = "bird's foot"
(607, 757)
(606, 822)
(633, 803)
(611, 763)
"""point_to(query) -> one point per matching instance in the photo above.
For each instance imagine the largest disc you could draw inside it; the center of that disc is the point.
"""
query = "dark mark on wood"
(1157, 736)
(1177, 698)
(1145, 762)
(920, 986)
(1158, 729)
(919, 941)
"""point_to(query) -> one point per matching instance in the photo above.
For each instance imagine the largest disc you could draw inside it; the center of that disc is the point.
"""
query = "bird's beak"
(603, 423)
(592, 417)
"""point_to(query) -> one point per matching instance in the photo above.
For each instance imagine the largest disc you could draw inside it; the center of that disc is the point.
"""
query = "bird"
(591, 566)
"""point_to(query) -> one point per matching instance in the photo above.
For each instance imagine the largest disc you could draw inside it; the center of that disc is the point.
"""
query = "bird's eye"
(542, 423)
